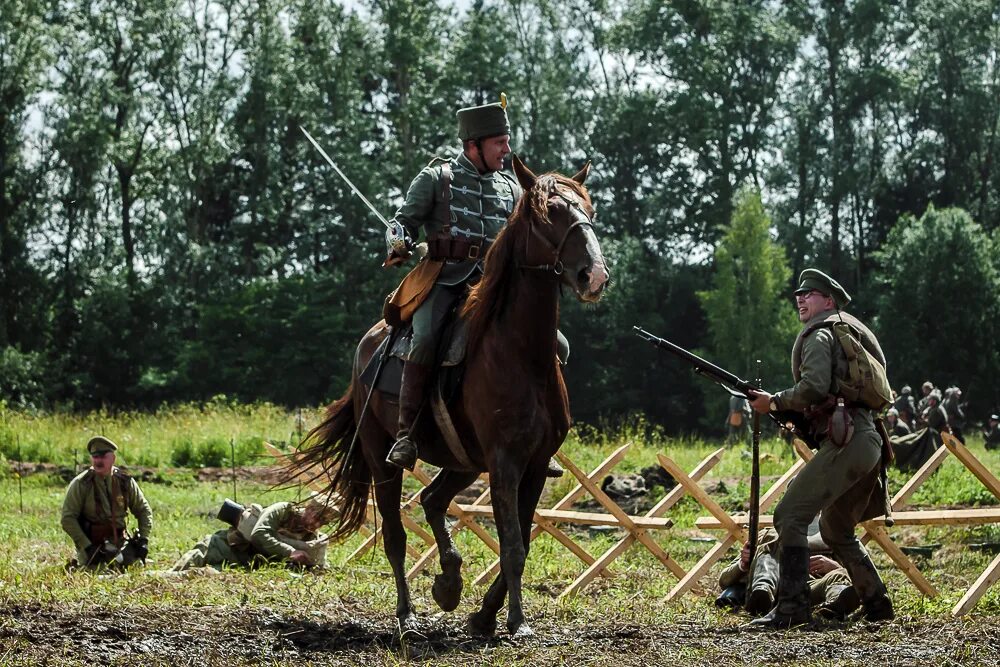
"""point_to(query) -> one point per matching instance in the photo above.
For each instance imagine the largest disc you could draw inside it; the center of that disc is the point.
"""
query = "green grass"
(35, 548)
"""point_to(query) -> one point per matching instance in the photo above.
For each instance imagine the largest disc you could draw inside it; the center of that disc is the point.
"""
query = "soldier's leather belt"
(455, 250)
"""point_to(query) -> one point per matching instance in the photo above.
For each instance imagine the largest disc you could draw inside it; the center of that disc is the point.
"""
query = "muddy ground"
(64, 635)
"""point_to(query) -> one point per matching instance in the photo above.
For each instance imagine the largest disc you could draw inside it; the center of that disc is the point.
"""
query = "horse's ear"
(524, 175)
(581, 175)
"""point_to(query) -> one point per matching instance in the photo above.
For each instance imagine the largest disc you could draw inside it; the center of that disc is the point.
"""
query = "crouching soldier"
(282, 532)
(95, 508)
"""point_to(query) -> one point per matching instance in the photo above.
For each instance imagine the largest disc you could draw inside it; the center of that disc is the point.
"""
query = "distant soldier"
(925, 389)
(738, 421)
(934, 415)
(95, 508)
(281, 532)
(952, 405)
(895, 425)
(992, 433)
(905, 406)
(844, 480)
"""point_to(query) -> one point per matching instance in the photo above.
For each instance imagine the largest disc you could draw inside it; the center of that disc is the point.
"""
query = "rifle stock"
(785, 419)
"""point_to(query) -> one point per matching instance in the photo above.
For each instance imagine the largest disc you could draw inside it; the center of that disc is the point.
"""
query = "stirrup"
(403, 454)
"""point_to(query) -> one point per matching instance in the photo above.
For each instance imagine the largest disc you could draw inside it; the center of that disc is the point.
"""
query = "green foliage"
(23, 378)
(748, 316)
(929, 266)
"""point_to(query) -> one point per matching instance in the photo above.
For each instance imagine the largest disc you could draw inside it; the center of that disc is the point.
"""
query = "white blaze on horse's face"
(598, 275)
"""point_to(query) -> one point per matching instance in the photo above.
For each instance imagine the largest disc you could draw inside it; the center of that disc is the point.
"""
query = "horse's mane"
(487, 300)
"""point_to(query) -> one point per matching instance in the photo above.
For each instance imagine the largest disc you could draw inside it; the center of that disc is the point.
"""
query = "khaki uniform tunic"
(841, 482)
(89, 497)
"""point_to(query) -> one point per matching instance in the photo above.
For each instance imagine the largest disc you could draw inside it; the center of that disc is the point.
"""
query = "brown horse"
(512, 410)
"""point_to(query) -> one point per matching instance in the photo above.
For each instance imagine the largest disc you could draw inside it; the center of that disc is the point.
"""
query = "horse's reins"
(557, 268)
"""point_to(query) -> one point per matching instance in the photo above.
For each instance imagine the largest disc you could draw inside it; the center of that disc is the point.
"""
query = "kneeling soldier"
(95, 508)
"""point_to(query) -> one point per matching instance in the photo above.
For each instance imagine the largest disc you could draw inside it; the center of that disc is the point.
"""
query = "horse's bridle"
(557, 267)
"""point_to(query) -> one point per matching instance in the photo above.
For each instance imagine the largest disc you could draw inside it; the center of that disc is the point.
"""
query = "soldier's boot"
(763, 584)
(411, 396)
(839, 601)
(793, 592)
(875, 602)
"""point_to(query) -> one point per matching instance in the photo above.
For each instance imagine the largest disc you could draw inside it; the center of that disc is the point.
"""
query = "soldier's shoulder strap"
(447, 176)
(436, 160)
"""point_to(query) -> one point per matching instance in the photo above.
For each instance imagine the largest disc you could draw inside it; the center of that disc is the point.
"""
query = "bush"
(22, 378)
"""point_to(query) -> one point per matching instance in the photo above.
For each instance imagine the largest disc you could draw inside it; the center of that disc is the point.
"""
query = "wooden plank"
(903, 496)
(701, 568)
(623, 544)
(566, 501)
(902, 561)
(580, 518)
(966, 517)
(972, 463)
(703, 498)
(989, 577)
(629, 523)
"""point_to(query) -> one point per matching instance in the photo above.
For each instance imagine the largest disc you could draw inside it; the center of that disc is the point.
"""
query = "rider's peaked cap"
(483, 122)
(814, 279)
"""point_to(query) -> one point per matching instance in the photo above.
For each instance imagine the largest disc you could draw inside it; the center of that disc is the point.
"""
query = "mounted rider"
(462, 204)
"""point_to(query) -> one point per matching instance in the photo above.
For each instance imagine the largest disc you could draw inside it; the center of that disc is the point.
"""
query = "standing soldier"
(738, 421)
(991, 434)
(926, 388)
(844, 478)
(952, 405)
(905, 406)
(95, 507)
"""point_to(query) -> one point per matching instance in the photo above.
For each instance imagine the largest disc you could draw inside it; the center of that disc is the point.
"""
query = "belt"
(455, 249)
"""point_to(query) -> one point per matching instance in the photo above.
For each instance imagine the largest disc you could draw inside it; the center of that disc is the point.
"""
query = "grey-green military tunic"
(841, 482)
(476, 211)
(93, 499)
(937, 418)
(277, 523)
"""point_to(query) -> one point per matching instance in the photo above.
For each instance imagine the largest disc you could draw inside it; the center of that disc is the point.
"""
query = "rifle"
(753, 519)
(789, 420)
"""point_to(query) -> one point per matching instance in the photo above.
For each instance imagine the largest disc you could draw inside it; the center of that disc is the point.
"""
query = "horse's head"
(562, 239)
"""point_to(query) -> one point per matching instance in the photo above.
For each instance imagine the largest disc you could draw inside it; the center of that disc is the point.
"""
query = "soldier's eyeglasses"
(99, 455)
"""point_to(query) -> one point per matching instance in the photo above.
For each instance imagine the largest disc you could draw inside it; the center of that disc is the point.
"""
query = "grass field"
(344, 615)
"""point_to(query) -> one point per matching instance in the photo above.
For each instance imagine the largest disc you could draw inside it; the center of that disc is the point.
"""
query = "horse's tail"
(331, 452)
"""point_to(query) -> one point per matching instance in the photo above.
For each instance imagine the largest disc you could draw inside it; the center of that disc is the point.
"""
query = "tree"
(748, 315)
(939, 284)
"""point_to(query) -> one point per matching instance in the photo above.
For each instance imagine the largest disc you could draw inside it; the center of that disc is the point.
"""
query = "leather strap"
(455, 249)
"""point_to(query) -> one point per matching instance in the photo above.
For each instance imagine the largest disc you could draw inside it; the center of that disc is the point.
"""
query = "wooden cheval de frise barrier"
(875, 529)
(637, 528)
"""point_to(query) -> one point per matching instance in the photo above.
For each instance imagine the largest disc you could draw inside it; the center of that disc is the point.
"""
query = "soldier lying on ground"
(754, 585)
(282, 532)
(95, 508)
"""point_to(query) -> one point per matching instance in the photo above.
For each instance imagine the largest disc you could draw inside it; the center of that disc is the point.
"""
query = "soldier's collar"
(463, 162)
(819, 317)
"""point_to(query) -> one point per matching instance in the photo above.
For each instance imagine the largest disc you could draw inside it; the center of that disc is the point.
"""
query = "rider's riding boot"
(763, 583)
(411, 397)
(875, 602)
(793, 592)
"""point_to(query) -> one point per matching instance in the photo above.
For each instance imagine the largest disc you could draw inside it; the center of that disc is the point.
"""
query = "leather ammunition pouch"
(455, 249)
(99, 533)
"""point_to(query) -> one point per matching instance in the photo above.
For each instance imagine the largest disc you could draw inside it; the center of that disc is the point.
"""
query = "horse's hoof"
(408, 624)
(482, 625)
(447, 591)
(523, 631)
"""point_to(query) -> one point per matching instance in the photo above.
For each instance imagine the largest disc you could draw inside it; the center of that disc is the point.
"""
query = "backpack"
(866, 382)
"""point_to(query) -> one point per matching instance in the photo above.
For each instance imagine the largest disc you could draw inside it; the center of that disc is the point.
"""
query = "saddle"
(453, 340)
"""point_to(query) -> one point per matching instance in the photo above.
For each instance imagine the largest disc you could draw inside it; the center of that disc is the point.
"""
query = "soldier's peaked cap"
(99, 444)
(483, 122)
(814, 279)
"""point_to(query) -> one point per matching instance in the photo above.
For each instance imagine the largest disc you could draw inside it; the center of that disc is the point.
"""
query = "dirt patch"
(341, 635)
